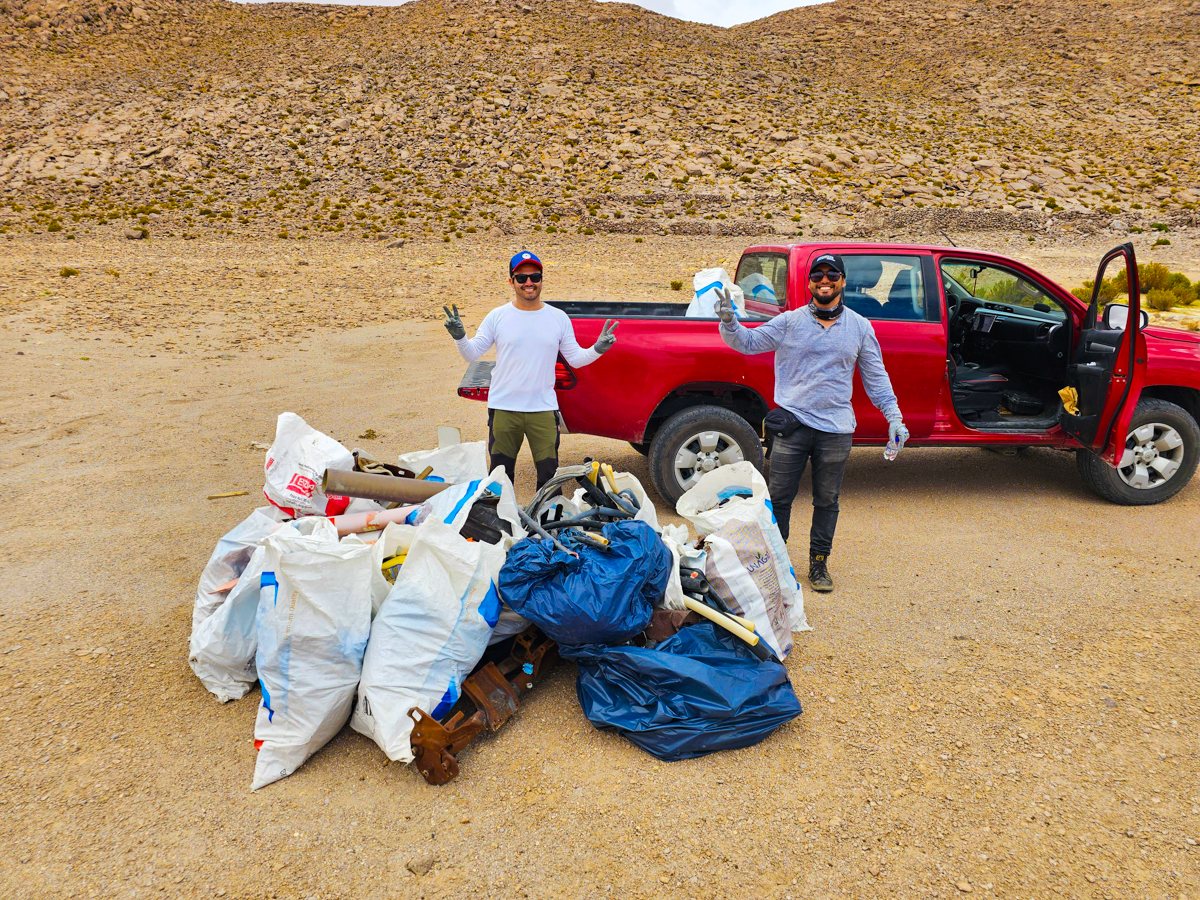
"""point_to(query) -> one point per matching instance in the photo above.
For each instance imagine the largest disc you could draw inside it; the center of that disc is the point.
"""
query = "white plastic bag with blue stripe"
(221, 649)
(314, 618)
(429, 634)
(706, 283)
(734, 493)
(453, 505)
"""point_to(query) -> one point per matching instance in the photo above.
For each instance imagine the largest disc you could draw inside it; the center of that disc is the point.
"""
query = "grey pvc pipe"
(384, 488)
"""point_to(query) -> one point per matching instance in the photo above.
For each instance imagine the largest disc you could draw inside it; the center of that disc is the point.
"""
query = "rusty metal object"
(384, 488)
(664, 623)
(434, 745)
(495, 690)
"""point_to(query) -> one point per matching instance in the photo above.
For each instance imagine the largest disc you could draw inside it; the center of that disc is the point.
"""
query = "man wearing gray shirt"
(816, 349)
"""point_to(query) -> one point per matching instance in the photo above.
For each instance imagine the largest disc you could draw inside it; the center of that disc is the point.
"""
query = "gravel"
(999, 696)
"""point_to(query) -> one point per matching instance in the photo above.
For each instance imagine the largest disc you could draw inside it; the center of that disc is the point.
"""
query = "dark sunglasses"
(824, 276)
(535, 277)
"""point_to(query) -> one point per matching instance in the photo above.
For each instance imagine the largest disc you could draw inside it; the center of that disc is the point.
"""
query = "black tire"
(643, 449)
(684, 427)
(1107, 482)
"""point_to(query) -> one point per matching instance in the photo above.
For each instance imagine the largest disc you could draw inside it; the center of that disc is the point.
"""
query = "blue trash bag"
(697, 692)
(601, 597)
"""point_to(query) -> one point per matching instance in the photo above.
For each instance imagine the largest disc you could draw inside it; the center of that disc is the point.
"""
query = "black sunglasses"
(535, 277)
(824, 276)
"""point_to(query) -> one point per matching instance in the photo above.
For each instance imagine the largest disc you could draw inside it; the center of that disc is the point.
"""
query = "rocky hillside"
(447, 117)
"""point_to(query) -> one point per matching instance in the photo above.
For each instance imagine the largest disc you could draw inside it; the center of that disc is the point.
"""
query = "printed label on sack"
(302, 485)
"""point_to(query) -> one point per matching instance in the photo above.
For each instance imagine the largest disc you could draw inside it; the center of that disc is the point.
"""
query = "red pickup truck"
(977, 346)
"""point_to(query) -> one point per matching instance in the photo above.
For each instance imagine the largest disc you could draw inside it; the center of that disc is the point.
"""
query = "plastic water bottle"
(891, 451)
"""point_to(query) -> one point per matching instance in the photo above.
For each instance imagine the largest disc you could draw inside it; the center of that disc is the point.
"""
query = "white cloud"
(711, 12)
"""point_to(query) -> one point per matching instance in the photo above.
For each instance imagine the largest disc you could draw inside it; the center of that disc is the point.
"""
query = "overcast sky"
(712, 12)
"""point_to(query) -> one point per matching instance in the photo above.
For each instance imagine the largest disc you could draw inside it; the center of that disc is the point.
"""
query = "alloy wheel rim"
(702, 453)
(1153, 454)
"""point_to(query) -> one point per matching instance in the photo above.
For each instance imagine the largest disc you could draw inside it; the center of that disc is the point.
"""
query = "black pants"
(789, 456)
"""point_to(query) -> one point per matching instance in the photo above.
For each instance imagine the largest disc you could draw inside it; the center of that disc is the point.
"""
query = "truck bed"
(625, 309)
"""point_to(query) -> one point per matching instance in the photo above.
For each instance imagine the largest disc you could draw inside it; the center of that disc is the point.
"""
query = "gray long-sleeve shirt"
(814, 365)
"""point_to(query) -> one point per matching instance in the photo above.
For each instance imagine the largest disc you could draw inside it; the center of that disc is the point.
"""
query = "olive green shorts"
(507, 429)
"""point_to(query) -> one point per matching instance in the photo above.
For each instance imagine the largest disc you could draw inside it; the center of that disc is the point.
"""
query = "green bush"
(1162, 242)
(677, 285)
(68, 272)
(1160, 299)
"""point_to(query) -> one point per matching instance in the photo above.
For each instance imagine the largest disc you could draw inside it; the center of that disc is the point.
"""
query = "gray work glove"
(897, 433)
(724, 306)
(607, 338)
(453, 323)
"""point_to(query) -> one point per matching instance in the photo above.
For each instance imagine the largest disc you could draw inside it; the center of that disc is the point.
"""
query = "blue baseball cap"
(520, 259)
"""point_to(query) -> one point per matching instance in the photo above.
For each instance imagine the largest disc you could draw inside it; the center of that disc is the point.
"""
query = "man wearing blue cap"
(528, 336)
(816, 350)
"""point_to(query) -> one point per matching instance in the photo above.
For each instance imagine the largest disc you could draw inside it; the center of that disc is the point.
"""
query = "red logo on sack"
(302, 485)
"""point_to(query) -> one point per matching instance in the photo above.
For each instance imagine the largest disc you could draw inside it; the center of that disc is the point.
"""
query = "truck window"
(885, 286)
(763, 278)
(998, 286)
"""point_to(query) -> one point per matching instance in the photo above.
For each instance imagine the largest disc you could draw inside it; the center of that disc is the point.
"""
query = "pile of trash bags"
(356, 610)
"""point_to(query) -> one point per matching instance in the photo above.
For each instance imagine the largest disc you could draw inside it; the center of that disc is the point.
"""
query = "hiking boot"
(818, 573)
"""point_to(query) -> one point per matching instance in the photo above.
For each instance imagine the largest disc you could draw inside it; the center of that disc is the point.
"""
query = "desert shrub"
(677, 285)
(1162, 242)
(1160, 299)
(1153, 277)
(68, 272)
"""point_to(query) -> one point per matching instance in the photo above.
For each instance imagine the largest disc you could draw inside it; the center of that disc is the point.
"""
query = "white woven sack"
(453, 505)
(429, 634)
(744, 571)
(314, 617)
(221, 648)
(456, 464)
(720, 496)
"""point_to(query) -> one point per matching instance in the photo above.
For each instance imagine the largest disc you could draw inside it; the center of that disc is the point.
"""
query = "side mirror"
(1116, 316)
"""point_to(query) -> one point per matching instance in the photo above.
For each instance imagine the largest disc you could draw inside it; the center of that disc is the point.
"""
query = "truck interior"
(1009, 347)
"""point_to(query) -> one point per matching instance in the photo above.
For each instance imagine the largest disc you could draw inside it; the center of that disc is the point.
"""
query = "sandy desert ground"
(999, 699)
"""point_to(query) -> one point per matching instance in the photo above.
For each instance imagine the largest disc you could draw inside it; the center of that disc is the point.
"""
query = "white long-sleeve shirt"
(527, 347)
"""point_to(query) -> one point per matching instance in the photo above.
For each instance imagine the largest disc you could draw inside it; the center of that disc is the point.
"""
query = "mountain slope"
(436, 118)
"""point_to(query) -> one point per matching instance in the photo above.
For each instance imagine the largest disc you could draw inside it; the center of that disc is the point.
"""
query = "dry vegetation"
(440, 119)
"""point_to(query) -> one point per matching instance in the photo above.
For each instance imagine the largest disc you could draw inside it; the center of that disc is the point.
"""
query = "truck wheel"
(1160, 457)
(695, 441)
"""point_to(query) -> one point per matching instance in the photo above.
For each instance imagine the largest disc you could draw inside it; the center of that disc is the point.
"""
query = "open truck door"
(1107, 366)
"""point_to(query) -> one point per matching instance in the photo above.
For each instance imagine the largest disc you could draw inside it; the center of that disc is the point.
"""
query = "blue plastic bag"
(601, 597)
(700, 691)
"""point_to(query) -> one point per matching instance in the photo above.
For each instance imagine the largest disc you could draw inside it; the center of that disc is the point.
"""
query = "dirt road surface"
(999, 698)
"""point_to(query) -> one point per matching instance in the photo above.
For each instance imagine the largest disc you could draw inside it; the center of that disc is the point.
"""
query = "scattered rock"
(420, 865)
(136, 234)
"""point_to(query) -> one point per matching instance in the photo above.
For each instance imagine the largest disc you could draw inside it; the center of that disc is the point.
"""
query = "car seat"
(900, 303)
(862, 272)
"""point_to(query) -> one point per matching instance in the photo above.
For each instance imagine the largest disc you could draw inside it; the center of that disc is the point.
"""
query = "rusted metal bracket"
(495, 690)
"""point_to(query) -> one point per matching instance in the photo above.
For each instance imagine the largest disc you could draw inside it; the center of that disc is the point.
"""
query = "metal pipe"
(383, 488)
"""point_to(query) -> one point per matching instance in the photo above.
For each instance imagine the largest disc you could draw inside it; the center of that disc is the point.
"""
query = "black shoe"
(818, 573)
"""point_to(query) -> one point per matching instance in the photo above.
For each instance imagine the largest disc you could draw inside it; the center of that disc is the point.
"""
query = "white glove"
(724, 306)
(897, 434)
(607, 338)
